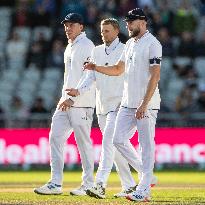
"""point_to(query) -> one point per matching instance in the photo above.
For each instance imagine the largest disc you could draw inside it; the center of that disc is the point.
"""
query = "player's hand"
(89, 66)
(72, 92)
(66, 105)
(141, 112)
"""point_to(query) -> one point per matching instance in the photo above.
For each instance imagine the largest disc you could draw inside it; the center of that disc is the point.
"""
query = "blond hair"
(111, 21)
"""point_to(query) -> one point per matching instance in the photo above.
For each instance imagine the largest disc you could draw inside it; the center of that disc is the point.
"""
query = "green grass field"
(173, 188)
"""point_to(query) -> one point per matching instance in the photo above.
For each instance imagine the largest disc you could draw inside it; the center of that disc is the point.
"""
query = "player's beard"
(135, 32)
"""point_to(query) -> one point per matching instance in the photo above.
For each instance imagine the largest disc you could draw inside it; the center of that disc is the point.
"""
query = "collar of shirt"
(112, 46)
(78, 38)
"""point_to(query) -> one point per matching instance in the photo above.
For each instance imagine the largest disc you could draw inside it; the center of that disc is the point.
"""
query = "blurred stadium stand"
(32, 43)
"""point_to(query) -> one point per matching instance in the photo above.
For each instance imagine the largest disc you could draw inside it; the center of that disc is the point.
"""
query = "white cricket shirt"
(139, 56)
(76, 54)
(109, 89)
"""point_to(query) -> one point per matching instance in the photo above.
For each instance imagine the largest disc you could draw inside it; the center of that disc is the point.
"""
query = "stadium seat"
(199, 65)
(5, 12)
(4, 33)
(24, 33)
(32, 74)
(173, 90)
(49, 100)
(6, 86)
(176, 41)
(52, 74)
(200, 29)
(11, 75)
(5, 99)
(182, 61)
(48, 86)
(26, 97)
(27, 85)
(166, 69)
(42, 29)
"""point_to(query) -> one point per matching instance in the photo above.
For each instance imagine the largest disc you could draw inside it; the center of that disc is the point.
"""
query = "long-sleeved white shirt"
(108, 88)
(76, 54)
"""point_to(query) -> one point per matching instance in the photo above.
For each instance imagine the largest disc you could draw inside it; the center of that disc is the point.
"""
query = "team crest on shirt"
(87, 60)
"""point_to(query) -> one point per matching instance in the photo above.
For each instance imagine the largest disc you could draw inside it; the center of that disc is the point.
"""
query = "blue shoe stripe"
(57, 185)
(52, 185)
(139, 196)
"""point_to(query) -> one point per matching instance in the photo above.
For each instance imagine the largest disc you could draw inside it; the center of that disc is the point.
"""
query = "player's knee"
(54, 139)
(115, 142)
(118, 141)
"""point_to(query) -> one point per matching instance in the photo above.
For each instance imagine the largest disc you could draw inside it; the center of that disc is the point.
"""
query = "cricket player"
(72, 114)
(108, 98)
(140, 62)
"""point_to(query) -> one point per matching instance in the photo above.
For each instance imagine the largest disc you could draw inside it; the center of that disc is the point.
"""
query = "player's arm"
(86, 80)
(114, 70)
(65, 105)
(155, 64)
(152, 84)
(83, 86)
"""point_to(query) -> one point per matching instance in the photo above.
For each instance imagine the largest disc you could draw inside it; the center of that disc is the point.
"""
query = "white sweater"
(109, 89)
(76, 54)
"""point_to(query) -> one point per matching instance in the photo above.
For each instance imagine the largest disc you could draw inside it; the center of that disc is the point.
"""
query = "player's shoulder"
(67, 49)
(102, 46)
(99, 47)
(87, 43)
(154, 40)
(121, 45)
(128, 42)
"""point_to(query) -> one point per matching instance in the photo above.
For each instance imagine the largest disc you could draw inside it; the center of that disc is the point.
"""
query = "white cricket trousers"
(110, 154)
(63, 123)
(143, 162)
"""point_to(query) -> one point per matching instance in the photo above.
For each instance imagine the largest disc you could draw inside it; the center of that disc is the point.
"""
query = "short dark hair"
(111, 21)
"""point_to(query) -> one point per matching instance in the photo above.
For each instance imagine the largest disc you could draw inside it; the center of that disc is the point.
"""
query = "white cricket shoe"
(49, 189)
(124, 192)
(139, 195)
(81, 191)
(97, 191)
